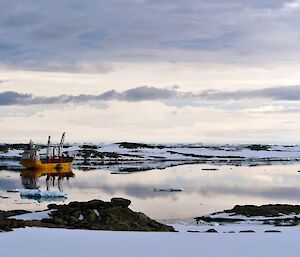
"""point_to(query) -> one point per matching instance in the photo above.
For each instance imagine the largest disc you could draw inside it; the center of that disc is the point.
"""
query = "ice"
(40, 193)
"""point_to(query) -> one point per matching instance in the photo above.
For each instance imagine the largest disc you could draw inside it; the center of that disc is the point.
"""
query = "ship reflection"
(32, 179)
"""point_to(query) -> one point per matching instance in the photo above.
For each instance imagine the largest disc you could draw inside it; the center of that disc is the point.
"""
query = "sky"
(150, 71)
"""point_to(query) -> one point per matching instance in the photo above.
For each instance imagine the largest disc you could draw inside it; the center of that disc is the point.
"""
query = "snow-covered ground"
(130, 157)
(43, 242)
(179, 151)
(241, 239)
(173, 151)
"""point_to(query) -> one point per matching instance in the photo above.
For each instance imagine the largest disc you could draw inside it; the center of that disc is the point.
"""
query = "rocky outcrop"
(99, 215)
(218, 220)
(274, 214)
(211, 230)
(130, 145)
(270, 210)
(95, 215)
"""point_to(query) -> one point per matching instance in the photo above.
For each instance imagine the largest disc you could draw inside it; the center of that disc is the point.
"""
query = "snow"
(37, 242)
(33, 215)
(12, 153)
(260, 218)
(180, 152)
(276, 151)
(183, 227)
(96, 212)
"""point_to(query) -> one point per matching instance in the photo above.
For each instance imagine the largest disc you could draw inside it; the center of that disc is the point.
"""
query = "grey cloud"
(146, 93)
(13, 98)
(37, 34)
(285, 93)
(143, 93)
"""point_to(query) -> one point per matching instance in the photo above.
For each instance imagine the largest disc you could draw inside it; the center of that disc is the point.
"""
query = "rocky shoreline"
(116, 216)
(270, 214)
(92, 215)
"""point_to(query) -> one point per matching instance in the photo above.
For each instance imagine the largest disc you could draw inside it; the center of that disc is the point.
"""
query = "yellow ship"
(32, 160)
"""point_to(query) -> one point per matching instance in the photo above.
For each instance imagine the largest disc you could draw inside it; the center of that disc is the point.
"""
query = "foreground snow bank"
(37, 242)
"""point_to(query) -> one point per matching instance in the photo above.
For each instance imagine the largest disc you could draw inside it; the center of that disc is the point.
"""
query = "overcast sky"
(150, 70)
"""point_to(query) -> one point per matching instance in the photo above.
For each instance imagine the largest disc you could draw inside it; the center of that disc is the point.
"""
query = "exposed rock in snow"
(95, 214)
(271, 214)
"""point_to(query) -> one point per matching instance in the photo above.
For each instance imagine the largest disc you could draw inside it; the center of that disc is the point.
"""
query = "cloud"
(39, 34)
(143, 93)
(284, 93)
(14, 98)
(146, 93)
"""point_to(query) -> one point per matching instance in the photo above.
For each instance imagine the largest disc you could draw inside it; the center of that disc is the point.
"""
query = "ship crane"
(61, 145)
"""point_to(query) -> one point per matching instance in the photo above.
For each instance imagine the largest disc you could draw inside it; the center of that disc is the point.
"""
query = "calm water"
(203, 191)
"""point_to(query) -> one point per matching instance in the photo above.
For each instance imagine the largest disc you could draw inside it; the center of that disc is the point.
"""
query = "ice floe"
(41, 193)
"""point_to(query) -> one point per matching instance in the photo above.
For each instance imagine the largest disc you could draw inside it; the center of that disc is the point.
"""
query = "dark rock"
(120, 202)
(219, 220)
(272, 231)
(95, 204)
(10, 224)
(271, 210)
(247, 231)
(5, 214)
(85, 146)
(129, 145)
(89, 216)
(193, 231)
(258, 147)
(76, 214)
(211, 230)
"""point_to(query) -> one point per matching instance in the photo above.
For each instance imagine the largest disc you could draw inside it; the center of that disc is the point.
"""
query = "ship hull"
(41, 172)
(38, 165)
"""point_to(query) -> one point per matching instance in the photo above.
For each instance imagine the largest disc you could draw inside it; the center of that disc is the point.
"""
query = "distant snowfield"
(181, 152)
(41, 242)
(130, 157)
(173, 151)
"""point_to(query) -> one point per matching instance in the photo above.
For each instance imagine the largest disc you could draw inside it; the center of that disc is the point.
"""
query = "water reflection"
(204, 191)
(32, 179)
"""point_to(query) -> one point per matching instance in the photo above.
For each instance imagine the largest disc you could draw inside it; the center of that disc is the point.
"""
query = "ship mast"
(48, 149)
(61, 145)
